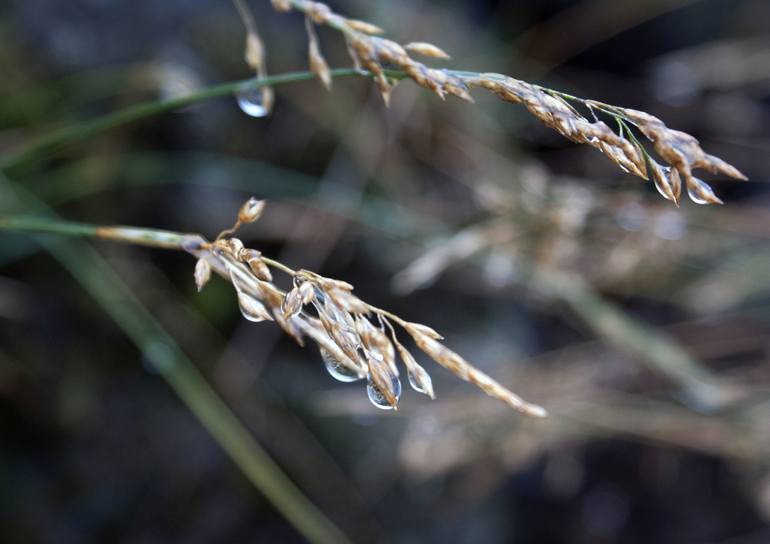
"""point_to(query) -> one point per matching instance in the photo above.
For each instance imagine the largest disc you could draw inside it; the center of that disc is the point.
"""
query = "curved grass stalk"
(81, 131)
(342, 330)
(117, 300)
(679, 150)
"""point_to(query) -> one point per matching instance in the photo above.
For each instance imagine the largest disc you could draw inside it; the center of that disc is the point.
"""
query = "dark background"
(96, 447)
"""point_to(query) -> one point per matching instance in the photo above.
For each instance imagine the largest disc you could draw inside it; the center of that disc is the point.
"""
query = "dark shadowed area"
(643, 327)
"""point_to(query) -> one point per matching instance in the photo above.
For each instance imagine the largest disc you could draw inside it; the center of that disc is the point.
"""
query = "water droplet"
(320, 297)
(662, 183)
(377, 397)
(251, 308)
(252, 102)
(701, 193)
(338, 371)
(420, 381)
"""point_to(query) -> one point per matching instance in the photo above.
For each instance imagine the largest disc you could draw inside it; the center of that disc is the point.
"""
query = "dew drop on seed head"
(336, 369)
(252, 102)
(416, 382)
(376, 396)
(251, 308)
(701, 193)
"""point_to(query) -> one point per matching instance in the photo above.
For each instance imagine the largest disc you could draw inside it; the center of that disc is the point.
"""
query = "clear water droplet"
(701, 193)
(377, 397)
(422, 383)
(252, 102)
(337, 370)
(251, 308)
(664, 190)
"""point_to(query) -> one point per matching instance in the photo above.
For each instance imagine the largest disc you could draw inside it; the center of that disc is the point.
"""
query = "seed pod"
(292, 303)
(348, 301)
(254, 52)
(281, 5)
(251, 210)
(667, 181)
(427, 50)
(202, 273)
(700, 192)
(338, 284)
(465, 371)
(307, 292)
(363, 26)
(384, 387)
(247, 254)
(417, 328)
(316, 59)
(260, 269)
(234, 246)
(252, 309)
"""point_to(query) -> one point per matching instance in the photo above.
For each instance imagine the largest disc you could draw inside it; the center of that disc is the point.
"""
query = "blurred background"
(643, 328)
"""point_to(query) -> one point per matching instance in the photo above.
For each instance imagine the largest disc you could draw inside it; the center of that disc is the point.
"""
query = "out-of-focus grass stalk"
(117, 300)
(629, 334)
(131, 235)
(81, 131)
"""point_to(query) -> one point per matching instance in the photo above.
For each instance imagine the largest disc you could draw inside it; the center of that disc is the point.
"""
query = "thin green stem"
(81, 131)
(119, 302)
(134, 235)
(130, 235)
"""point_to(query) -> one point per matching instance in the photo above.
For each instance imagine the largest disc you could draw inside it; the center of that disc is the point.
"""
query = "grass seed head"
(352, 335)
(680, 151)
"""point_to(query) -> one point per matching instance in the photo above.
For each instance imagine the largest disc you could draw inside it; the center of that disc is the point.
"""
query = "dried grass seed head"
(680, 151)
(352, 335)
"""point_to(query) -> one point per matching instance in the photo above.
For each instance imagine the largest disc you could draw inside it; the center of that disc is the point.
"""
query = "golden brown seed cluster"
(679, 151)
(357, 341)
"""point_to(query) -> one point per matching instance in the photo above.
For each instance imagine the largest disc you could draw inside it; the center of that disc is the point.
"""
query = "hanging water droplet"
(252, 309)
(252, 102)
(338, 371)
(701, 193)
(420, 381)
(662, 182)
(320, 296)
(378, 398)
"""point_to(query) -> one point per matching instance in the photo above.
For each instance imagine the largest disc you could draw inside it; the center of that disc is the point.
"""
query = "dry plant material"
(254, 102)
(357, 341)
(388, 62)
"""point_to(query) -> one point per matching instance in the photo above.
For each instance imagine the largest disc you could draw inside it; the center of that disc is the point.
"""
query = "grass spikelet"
(680, 152)
(357, 341)
(316, 60)
(427, 50)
